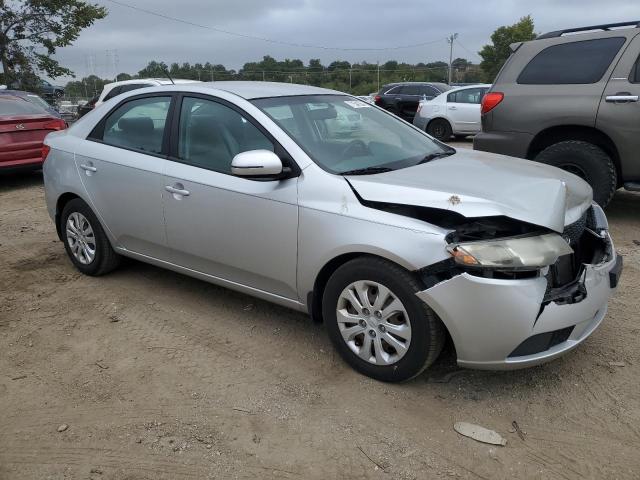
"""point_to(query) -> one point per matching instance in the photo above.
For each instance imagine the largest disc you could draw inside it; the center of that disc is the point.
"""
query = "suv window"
(114, 91)
(429, 91)
(470, 95)
(412, 90)
(572, 63)
(211, 134)
(138, 124)
(635, 72)
(394, 90)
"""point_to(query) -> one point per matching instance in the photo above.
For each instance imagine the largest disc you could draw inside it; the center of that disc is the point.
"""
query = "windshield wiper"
(433, 156)
(367, 171)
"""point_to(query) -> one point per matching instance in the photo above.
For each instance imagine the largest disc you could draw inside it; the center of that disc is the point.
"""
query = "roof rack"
(605, 27)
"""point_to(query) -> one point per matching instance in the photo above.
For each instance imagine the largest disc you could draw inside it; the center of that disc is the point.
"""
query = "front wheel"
(377, 323)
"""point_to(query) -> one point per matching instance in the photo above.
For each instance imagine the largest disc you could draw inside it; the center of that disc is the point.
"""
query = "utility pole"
(450, 40)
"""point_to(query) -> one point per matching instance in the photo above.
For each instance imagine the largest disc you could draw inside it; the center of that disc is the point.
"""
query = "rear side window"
(471, 95)
(114, 91)
(635, 72)
(18, 106)
(138, 125)
(572, 63)
(133, 86)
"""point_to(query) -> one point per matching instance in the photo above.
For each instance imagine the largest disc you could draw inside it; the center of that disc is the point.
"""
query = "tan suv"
(570, 99)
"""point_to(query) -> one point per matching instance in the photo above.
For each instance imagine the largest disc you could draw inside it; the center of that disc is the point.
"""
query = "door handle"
(177, 191)
(88, 168)
(621, 97)
(453, 108)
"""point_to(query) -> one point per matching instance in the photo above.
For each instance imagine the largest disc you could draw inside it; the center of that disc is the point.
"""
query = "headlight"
(512, 253)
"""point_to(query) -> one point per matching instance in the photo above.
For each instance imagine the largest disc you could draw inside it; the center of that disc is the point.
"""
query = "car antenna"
(166, 71)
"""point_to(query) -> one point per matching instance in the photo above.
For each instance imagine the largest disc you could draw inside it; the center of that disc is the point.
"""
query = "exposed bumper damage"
(508, 323)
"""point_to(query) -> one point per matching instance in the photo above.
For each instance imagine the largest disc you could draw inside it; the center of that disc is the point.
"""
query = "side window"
(635, 72)
(132, 86)
(452, 97)
(412, 90)
(394, 91)
(429, 91)
(114, 92)
(138, 124)
(471, 95)
(572, 63)
(211, 134)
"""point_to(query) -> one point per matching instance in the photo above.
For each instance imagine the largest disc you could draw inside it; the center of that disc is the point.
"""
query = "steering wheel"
(354, 145)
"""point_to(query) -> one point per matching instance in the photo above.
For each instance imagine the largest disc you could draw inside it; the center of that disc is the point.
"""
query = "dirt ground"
(160, 376)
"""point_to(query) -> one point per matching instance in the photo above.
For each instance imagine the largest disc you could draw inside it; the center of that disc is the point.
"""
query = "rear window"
(18, 106)
(572, 63)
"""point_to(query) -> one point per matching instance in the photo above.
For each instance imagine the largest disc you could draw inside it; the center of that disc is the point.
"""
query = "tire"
(426, 331)
(440, 129)
(586, 160)
(104, 259)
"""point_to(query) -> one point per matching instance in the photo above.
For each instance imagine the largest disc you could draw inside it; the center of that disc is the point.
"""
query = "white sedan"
(454, 112)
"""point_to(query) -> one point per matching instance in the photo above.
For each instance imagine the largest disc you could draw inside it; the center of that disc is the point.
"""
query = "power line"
(265, 39)
(467, 50)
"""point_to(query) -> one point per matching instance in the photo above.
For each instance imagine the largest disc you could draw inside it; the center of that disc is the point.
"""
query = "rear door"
(121, 165)
(408, 100)
(463, 108)
(619, 113)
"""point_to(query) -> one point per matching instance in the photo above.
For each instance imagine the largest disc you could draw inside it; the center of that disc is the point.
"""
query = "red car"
(23, 127)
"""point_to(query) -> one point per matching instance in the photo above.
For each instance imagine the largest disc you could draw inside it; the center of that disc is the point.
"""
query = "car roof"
(465, 87)
(253, 90)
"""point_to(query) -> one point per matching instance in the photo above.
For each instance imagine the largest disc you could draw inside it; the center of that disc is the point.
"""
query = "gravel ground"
(147, 374)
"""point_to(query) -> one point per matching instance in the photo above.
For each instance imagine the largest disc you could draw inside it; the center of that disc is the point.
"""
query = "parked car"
(23, 126)
(50, 90)
(402, 98)
(114, 89)
(33, 98)
(570, 99)
(390, 244)
(455, 112)
(88, 106)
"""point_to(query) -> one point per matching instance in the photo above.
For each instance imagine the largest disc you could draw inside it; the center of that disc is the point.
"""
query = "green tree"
(494, 56)
(32, 30)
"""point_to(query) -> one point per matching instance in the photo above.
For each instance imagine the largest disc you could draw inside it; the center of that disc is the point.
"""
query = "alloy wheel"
(373, 322)
(81, 239)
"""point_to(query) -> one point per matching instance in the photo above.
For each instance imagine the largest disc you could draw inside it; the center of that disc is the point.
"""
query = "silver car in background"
(392, 239)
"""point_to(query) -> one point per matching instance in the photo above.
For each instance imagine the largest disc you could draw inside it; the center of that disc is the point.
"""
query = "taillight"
(419, 108)
(490, 101)
(57, 124)
(45, 151)
(377, 98)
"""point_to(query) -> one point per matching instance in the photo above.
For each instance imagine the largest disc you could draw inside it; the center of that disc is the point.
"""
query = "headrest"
(136, 125)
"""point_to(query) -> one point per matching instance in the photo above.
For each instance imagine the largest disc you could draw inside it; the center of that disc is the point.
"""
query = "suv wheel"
(586, 160)
(377, 323)
(440, 129)
(84, 240)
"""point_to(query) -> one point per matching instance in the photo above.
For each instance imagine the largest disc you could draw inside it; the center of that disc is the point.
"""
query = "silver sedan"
(392, 239)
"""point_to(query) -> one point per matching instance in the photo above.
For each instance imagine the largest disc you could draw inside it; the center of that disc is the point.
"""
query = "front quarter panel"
(333, 223)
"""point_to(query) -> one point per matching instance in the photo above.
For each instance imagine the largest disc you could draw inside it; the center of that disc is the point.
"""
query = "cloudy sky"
(127, 39)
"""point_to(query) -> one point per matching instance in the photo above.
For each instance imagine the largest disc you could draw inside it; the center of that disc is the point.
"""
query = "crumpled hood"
(478, 184)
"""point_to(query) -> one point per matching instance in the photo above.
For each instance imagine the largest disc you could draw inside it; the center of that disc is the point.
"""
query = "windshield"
(36, 100)
(343, 134)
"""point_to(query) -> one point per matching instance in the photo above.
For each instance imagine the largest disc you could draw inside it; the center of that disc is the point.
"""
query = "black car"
(403, 98)
(87, 107)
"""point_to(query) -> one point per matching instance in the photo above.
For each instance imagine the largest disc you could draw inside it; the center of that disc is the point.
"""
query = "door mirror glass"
(256, 163)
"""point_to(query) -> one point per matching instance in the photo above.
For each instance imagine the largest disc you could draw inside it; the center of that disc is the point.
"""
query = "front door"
(121, 165)
(237, 229)
(619, 113)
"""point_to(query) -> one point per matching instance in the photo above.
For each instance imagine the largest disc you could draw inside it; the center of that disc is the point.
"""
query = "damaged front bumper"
(502, 324)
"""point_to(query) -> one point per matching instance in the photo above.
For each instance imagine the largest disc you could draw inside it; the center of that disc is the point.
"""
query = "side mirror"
(256, 163)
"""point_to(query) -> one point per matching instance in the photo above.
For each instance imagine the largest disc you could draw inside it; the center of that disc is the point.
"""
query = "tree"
(32, 30)
(494, 56)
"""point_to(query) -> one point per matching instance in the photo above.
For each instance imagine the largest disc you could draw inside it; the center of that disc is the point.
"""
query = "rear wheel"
(377, 323)
(586, 160)
(440, 129)
(85, 241)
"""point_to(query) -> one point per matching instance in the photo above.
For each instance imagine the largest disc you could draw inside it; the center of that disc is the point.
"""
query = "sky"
(127, 39)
